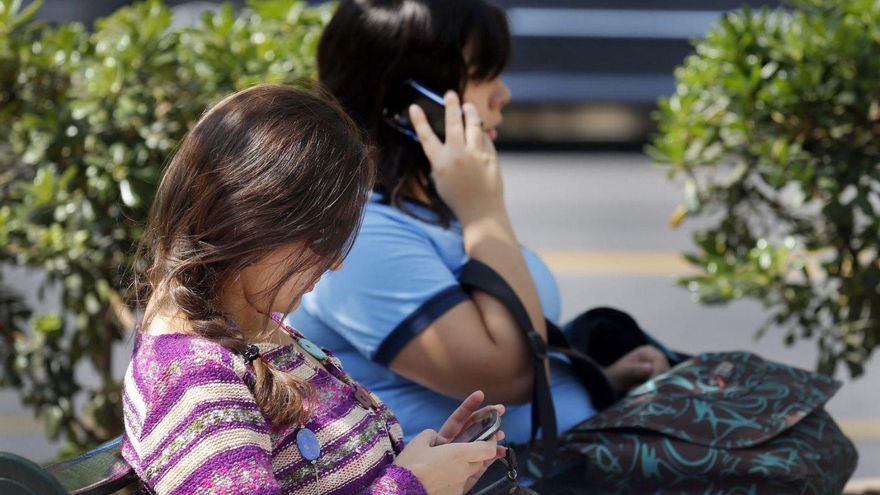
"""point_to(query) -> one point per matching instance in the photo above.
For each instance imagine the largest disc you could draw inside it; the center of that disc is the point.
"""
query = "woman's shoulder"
(385, 221)
(410, 212)
(169, 357)
(385, 214)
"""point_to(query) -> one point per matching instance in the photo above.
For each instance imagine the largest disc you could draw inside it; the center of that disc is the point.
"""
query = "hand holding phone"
(482, 428)
(470, 414)
(466, 426)
(446, 468)
(464, 167)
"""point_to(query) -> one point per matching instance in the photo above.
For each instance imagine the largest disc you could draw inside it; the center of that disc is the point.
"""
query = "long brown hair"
(264, 168)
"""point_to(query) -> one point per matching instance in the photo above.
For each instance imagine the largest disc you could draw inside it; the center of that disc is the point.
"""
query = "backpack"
(719, 423)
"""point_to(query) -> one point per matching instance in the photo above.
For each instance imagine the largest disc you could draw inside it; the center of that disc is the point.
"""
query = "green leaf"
(49, 325)
(53, 418)
(691, 196)
(23, 16)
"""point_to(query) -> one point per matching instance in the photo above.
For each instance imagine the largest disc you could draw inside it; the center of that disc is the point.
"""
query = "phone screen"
(480, 429)
(411, 92)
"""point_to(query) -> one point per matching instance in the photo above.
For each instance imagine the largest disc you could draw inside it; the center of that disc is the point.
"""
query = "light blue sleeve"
(392, 285)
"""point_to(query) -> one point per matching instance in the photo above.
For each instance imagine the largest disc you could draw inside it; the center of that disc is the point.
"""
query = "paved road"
(601, 223)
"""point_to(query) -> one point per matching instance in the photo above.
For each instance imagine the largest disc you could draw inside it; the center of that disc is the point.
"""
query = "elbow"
(513, 388)
(519, 391)
(513, 383)
(512, 378)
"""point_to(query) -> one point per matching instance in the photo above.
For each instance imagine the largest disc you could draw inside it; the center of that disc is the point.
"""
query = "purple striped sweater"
(192, 426)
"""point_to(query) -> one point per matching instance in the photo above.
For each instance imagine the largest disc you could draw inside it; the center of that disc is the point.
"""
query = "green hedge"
(774, 130)
(87, 119)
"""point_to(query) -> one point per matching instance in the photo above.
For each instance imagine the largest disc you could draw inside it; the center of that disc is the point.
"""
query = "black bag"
(663, 437)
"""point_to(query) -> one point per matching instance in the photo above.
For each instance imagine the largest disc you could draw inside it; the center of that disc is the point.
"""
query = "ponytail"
(281, 396)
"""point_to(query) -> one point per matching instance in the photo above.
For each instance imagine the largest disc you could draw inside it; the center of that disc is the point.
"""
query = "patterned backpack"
(718, 423)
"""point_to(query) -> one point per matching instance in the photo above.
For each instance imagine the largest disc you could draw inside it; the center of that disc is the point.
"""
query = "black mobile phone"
(396, 111)
(482, 428)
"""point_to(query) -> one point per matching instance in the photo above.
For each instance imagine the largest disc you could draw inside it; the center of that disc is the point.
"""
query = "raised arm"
(475, 345)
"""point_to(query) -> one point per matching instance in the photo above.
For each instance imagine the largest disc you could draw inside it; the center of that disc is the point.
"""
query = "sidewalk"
(863, 486)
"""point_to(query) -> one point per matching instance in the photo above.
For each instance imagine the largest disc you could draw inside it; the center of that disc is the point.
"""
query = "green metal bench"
(100, 471)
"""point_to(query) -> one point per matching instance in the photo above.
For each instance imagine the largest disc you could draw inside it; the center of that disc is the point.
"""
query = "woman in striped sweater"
(261, 198)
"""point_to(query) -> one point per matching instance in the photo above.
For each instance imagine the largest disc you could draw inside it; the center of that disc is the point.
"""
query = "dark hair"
(371, 46)
(264, 168)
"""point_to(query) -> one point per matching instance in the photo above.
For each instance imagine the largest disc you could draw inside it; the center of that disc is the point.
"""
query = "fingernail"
(413, 107)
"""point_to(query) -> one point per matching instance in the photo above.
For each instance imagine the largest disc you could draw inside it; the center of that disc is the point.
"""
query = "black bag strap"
(587, 369)
(500, 478)
(477, 275)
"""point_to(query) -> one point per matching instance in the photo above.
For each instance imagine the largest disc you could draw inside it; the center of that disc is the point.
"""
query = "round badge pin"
(308, 444)
(312, 349)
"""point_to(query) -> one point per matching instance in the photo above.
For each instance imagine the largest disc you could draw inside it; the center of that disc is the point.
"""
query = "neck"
(416, 191)
(419, 194)
(250, 322)
(162, 318)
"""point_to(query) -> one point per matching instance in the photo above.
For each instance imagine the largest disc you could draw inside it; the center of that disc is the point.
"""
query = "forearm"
(490, 239)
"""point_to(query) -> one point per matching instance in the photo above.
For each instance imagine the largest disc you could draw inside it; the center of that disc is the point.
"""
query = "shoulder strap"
(476, 275)
(587, 369)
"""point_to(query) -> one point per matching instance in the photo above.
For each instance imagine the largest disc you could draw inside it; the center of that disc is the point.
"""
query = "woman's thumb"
(426, 438)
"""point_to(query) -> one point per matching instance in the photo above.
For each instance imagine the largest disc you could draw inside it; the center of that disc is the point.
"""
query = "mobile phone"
(483, 427)
(396, 111)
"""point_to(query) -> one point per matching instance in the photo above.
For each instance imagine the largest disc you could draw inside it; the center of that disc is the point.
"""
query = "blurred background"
(586, 76)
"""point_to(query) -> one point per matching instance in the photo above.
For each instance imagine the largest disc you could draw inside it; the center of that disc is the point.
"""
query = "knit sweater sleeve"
(204, 433)
(395, 480)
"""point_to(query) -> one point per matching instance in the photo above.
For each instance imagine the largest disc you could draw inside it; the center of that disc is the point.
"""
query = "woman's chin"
(290, 308)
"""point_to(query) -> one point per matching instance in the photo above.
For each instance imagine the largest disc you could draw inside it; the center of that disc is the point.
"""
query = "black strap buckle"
(511, 464)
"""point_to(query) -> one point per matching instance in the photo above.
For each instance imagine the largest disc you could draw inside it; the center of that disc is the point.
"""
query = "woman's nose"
(502, 95)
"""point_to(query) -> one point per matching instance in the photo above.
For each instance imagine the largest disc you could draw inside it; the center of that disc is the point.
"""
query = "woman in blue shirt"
(395, 313)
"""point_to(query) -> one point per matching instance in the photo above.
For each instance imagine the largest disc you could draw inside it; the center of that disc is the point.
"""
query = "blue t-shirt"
(400, 276)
